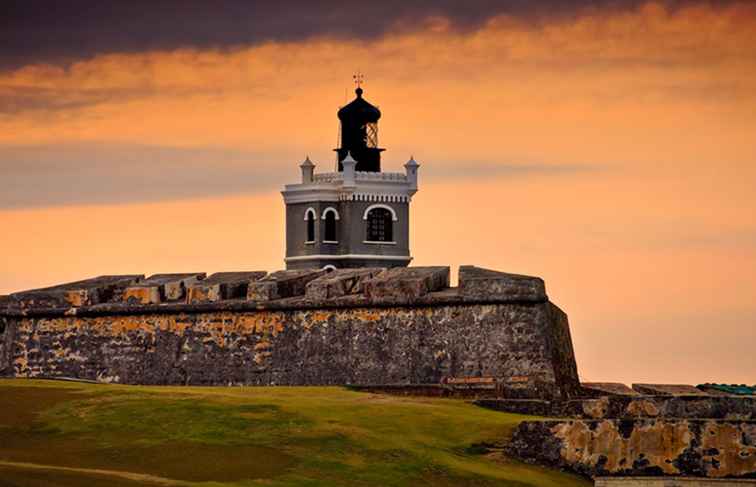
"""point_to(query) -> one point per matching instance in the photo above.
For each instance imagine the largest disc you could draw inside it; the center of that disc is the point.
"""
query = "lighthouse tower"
(357, 216)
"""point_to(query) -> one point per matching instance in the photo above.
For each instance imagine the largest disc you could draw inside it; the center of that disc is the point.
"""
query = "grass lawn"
(64, 434)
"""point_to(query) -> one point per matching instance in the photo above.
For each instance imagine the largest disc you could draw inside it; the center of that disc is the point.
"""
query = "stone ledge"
(670, 482)
(161, 287)
(406, 283)
(283, 290)
(341, 282)
(476, 282)
(732, 408)
(222, 286)
(282, 284)
(597, 389)
(78, 293)
(667, 389)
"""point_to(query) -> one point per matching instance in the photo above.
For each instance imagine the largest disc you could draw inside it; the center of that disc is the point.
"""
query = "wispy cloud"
(112, 173)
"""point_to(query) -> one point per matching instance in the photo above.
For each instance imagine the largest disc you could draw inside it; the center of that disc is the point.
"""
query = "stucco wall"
(350, 230)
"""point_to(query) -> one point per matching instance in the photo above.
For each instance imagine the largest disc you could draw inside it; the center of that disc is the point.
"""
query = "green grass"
(71, 434)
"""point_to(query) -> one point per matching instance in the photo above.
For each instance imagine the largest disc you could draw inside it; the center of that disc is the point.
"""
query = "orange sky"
(613, 154)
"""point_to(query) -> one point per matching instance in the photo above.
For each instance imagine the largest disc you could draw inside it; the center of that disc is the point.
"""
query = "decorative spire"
(307, 163)
(348, 158)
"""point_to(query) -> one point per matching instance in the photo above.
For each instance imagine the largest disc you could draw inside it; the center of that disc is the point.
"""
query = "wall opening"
(310, 221)
(380, 225)
(330, 226)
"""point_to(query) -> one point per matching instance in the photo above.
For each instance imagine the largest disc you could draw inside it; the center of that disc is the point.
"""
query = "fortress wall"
(515, 343)
(7, 329)
(632, 447)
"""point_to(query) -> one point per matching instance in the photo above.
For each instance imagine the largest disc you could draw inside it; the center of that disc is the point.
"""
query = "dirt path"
(137, 477)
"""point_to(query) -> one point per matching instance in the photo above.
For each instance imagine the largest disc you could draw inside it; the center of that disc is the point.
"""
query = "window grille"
(379, 225)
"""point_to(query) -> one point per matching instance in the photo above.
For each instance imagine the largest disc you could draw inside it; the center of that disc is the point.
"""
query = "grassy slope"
(269, 436)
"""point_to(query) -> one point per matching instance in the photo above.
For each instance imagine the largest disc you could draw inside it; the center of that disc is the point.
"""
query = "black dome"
(359, 110)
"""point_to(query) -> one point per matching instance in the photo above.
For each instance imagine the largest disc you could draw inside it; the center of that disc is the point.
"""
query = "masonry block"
(282, 284)
(640, 447)
(404, 284)
(341, 282)
(222, 286)
(597, 389)
(668, 389)
(161, 287)
(484, 284)
(79, 293)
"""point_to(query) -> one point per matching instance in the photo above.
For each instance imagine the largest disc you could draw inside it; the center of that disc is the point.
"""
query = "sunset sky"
(608, 147)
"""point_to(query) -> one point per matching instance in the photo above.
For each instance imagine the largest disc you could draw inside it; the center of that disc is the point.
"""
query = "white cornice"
(374, 190)
(347, 256)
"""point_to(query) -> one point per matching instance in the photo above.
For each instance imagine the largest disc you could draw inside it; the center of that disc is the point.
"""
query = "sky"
(607, 147)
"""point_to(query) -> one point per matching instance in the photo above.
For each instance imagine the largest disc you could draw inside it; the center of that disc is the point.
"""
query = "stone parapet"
(222, 286)
(598, 389)
(161, 287)
(87, 292)
(341, 282)
(405, 284)
(667, 389)
(637, 407)
(282, 284)
(243, 291)
(475, 282)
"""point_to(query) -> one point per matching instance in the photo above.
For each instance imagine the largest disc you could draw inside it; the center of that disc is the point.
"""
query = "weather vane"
(359, 78)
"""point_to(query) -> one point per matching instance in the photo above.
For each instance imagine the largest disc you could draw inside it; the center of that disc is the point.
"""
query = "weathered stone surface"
(671, 482)
(404, 284)
(667, 389)
(161, 287)
(7, 302)
(484, 284)
(635, 407)
(533, 407)
(513, 343)
(597, 389)
(7, 335)
(339, 283)
(707, 448)
(282, 284)
(728, 389)
(221, 286)
(80, 293)
(682, 407)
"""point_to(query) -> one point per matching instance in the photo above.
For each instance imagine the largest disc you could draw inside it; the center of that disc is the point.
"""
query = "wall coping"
(448, 297)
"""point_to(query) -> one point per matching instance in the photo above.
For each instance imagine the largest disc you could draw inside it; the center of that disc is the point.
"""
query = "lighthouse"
(358, 215)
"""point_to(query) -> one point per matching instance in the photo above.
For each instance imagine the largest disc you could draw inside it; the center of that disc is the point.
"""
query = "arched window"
(330, 225)
(310, 221)
(379, 225)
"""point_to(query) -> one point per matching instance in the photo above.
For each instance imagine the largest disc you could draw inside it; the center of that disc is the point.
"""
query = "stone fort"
(348, 310)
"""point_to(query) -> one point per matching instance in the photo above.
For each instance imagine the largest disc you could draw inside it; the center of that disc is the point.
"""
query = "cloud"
(85, 174)
(62, 32)
(76, 174)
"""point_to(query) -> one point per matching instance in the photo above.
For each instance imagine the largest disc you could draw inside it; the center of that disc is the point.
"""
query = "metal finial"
(358, 78)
